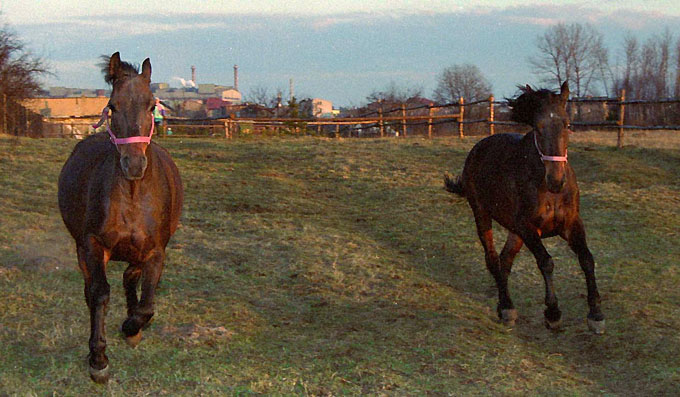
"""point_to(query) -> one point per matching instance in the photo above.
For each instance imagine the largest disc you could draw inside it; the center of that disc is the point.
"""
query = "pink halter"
(549, 158)
(121, 141)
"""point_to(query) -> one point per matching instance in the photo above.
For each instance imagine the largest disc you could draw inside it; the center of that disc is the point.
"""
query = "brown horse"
(509, 178)
(120, 196)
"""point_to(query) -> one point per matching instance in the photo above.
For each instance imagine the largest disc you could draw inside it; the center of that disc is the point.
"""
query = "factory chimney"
(193, 74)
(236, 77)
(292, 95)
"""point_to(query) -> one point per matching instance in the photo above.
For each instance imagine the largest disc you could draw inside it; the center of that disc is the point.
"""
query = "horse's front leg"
(93, 257)
(139, 314)
(552, 313)
(576, 237)
(130, 281)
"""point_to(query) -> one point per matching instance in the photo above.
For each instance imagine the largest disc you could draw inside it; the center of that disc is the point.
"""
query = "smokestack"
(292, 95)
(236, 77)
(193, 73)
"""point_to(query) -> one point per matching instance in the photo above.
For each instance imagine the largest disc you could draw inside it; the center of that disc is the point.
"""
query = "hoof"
(134, 340)
(508, 316)
(100, 375)
(597, 327)
(553, 325)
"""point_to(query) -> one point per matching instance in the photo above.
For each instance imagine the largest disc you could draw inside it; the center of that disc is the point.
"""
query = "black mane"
(128, 69)
(528, 103)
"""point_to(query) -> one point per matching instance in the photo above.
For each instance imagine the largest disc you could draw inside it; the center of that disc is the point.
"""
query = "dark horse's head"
(131, 104)
(545, 111)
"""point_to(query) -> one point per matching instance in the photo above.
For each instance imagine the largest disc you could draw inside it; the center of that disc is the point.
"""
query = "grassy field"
(306, 266)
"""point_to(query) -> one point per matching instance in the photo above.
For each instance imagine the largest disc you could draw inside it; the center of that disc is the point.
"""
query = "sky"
(340, 51)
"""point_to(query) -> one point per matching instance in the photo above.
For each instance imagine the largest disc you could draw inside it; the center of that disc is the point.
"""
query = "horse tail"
(453, 186)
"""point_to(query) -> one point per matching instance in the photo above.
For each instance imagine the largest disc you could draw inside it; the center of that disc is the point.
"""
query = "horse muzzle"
(555, 186)
(133, 166)
(555, 177)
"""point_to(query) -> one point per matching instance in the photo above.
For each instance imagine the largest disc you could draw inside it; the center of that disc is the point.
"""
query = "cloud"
(546, 15)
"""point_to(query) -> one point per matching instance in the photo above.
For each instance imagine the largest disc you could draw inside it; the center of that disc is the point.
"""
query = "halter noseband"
(121, 141)
(549, 158)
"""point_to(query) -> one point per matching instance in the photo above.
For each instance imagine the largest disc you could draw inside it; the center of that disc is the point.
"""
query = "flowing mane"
(126, 69)
(525, 106)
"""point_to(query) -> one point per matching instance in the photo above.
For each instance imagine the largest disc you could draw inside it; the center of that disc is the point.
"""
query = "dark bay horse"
(526, 184)
(120, 196)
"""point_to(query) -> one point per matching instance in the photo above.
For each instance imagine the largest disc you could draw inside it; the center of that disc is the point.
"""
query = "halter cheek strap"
(121, 141)
(549, 158)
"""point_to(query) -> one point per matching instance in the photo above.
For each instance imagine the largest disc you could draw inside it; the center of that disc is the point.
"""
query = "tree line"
(576, 52)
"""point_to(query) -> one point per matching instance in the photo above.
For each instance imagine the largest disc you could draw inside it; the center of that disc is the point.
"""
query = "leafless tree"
(19, 68)
(461, 81)
(394, 94)
(647, 70)
(575, 53)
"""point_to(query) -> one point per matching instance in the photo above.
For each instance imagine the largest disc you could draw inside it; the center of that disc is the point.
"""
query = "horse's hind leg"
(577, 241)
(92, 258)
(140, 314)
(512, 246)
(552, 313)
(483, 221)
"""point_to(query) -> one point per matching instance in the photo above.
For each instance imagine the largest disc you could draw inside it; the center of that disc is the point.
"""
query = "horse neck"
(530, 154)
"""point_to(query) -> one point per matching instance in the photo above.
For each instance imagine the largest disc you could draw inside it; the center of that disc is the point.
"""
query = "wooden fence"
(484, 117)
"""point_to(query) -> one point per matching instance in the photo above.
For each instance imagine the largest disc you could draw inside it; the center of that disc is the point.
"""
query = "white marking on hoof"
(100, 375)
(509, 316)
(134, 340)
(597, 327)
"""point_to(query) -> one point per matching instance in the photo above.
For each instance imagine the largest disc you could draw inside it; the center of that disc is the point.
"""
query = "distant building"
(316, 107)
(67, 107)
(159, 86)
(65, 92)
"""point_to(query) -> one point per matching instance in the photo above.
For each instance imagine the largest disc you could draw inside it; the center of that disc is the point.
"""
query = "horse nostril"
(125, 162)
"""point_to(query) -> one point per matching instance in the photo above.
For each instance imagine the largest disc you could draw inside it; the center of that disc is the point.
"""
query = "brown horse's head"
(131, 104)
(546, 112)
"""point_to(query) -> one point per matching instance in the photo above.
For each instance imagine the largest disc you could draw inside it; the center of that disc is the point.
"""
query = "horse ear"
(564, 91)
(114, 65)
(528, 88)
(146, 69)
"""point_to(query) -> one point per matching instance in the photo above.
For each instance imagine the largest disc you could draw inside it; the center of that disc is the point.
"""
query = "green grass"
(308, 266)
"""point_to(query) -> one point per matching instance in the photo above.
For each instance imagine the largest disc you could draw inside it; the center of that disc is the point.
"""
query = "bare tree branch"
(465, 81)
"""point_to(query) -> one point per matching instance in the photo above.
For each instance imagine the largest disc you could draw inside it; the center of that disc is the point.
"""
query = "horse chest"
(126, 228)
(550, 214)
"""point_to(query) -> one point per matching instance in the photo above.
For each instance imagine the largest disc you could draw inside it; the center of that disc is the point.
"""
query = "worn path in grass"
(311, 266)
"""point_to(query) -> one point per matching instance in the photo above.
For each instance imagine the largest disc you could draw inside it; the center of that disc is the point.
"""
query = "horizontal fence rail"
(481, 117)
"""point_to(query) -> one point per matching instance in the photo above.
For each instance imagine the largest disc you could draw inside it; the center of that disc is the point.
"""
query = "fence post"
(622, 109)
(461, 114)
(337, 130)
(429, 121)
(403, 120)
(491, 126)
(380, 122)
(4, 113)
